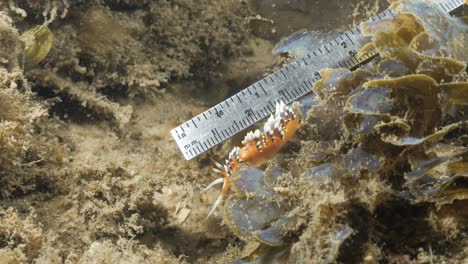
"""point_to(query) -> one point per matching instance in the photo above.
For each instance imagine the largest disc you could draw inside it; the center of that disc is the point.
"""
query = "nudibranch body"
(259, 147)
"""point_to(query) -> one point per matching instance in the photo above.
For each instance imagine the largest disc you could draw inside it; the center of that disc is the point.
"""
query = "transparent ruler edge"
(291, 82)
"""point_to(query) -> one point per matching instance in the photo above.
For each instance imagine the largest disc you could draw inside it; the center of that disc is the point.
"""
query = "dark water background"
(290, 16)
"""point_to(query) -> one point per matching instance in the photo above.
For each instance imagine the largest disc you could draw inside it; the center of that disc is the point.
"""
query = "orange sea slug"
(259, 147)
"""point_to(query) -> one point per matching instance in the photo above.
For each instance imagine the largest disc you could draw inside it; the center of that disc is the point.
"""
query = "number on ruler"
(249, 112)
(219, 113)
(282, 93)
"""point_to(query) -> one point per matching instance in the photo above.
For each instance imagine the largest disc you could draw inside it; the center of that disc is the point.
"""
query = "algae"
(90, 174)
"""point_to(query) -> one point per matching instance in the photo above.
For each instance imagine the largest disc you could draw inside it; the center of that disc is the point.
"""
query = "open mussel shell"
(377, 106)
(439, 191)
(38, 42)
(366, 108)
(307, 102)
(425, 166)
(454, 189)
(391, 45)
(407, 140)
(455, 100)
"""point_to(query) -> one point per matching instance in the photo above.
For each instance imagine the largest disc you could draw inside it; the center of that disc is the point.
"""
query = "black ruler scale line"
(288, 84)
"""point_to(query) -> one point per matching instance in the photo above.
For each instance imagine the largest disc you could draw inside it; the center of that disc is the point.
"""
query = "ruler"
(291, 82)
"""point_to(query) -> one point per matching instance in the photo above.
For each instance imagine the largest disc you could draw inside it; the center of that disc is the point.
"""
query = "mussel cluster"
(417, 98)
(392, 134)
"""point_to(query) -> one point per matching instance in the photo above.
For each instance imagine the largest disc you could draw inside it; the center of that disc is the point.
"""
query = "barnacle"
(38, 42)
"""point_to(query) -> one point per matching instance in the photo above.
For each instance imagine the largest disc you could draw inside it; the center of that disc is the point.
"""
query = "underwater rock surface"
(376, 143)
(89, 173)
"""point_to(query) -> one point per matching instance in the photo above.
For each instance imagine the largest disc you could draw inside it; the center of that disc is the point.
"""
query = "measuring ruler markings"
(291, 82)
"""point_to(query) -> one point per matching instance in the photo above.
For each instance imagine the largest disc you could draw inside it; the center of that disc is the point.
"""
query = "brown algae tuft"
(100, 34)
